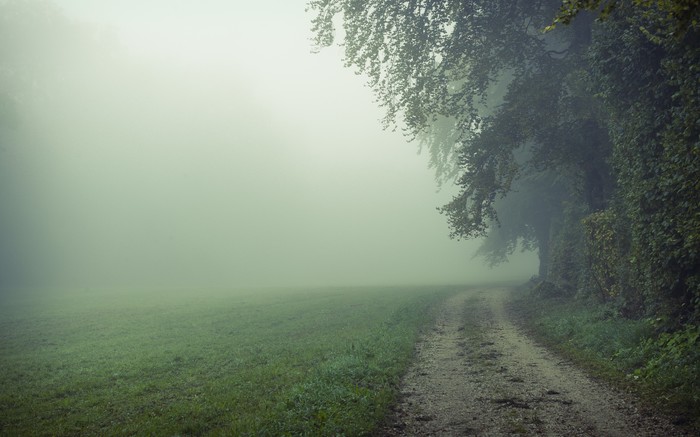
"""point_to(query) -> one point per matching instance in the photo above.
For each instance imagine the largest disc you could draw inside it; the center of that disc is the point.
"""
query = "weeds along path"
(477, 373)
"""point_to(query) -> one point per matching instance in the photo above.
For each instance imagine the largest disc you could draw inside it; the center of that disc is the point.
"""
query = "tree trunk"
(542, 231)
(543, 252)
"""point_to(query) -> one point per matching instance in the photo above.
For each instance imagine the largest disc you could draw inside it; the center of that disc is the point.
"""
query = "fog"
(203, 144)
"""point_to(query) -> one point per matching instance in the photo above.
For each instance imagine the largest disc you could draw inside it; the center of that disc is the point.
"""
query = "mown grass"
(629, 353)
(276, 362)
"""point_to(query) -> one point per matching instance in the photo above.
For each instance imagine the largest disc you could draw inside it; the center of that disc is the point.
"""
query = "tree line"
(571, 128)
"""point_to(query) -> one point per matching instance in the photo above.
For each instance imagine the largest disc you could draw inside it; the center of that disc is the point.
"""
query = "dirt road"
(476, 373)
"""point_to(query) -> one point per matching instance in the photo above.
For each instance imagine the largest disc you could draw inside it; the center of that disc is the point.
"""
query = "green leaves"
(670, 20)
(612, 109)
(652, 94)
(603, 252)
(571, 8)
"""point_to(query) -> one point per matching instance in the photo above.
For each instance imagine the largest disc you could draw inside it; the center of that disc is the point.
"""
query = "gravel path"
(477, 373)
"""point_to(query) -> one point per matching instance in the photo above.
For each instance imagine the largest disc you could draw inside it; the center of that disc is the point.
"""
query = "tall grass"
(245, 363)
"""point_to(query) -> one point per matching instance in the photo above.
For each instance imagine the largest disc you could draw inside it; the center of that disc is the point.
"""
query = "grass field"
(320, 361)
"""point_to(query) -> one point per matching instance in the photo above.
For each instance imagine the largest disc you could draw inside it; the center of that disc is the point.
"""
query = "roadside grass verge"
(662, 368)
(276, 362)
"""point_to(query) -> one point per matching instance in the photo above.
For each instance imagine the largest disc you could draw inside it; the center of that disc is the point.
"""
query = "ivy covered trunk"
(542, 233)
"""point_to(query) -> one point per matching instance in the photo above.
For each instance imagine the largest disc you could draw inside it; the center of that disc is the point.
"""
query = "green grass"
(663, 369)
(323, 361)
(589, 331)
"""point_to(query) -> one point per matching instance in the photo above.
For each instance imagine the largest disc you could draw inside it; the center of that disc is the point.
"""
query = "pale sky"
(230, 155)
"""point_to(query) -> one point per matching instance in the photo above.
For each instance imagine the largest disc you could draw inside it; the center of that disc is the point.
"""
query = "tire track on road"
(477, 373)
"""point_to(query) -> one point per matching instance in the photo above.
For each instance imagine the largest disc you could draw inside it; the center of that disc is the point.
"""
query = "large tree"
(430, 61)
(525, 219)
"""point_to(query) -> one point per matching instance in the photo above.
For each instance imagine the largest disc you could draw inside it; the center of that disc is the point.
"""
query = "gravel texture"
(477, 373)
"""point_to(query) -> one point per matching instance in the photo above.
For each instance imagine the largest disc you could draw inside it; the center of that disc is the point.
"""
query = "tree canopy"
(600, 96)
(433, 61)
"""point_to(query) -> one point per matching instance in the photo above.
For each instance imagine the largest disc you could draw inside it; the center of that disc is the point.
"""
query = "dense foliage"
(575, 129)
(516, 98)
(598, 114)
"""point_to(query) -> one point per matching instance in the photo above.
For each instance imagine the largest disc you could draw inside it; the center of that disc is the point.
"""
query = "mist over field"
(333, 217)
(202, 144)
